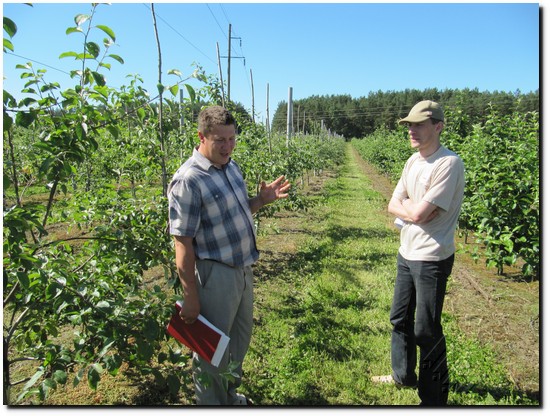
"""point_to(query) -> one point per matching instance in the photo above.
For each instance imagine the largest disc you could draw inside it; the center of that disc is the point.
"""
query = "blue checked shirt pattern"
(211, 205)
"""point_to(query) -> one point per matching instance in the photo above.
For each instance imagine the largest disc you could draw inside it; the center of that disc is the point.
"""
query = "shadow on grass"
(498, 393)
(155, 393)
(311, 258)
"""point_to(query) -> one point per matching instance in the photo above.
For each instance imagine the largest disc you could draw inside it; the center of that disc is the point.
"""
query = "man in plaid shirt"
(215, 243)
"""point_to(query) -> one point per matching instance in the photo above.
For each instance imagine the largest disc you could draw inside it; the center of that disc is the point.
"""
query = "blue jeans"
(420, 289)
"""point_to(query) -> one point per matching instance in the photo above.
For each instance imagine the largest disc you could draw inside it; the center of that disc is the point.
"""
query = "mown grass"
(322, 327)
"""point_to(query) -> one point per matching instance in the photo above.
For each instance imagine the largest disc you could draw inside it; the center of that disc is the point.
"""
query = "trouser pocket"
(203, 271)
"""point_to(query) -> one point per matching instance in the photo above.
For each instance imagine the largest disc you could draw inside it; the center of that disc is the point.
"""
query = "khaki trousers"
(226, 299)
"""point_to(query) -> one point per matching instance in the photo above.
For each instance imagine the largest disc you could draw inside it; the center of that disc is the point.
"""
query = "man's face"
(217, 146)
(425, 134)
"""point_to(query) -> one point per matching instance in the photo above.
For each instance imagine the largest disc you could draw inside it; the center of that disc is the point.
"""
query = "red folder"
(201, 336)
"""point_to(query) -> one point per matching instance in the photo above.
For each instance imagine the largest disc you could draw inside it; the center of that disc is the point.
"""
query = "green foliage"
(386, 150)
(360, 117)
(503, 189)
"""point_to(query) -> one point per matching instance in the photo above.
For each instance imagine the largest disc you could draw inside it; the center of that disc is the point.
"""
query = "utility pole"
(229, 63)
(229, 66)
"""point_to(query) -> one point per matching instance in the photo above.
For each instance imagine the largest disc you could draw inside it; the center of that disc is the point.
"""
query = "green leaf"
(174, 89)
(53, 290)
(108, 344)
(68, 54)
(108, 31)
(81, 18)
(141, 113)
(103, 305)
(174, 384)
(9, 99)
(23, 279)
(24, 119)
(93, 48)
(28, 101)
(191, 92)
(10, 27)
(8, 122)
(78, 376)
(7, 180)
(94, 375)
(80, 131)
(113, 364)
(151, 329)
(73, 30)
(99, 79)
(34, 379)
(116, 58)
(174, 72)
(8, 45)
(60, 376)
(47, 385)
(114, 131)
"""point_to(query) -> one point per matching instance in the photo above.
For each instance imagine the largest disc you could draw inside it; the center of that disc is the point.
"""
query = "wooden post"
(252, 82)
(267, 126)
(289, 117)
(229, 67)
(220, 71)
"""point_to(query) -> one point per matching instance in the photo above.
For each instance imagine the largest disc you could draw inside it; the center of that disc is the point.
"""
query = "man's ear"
(202, 137)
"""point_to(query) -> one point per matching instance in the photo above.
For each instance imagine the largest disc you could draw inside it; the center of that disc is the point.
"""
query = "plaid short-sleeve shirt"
(211, 205)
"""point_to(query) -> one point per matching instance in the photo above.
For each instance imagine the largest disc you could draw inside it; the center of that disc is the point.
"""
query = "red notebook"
(201, 336)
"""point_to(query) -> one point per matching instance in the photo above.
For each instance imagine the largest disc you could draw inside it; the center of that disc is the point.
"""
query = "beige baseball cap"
(423, 111)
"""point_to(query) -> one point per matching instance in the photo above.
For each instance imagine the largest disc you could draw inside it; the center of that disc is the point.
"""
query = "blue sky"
(315, 48)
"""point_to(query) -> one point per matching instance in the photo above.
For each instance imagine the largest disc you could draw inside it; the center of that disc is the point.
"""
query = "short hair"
(212, 116)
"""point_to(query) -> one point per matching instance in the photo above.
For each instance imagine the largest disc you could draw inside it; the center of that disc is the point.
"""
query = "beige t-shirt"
(439, 180)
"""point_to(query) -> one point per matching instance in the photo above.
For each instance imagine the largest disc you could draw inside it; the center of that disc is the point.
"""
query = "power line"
(37, 62)
(242, 55)
(180, 35)
(216, 20)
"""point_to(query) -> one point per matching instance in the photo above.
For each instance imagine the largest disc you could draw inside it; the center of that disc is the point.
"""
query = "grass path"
(329, 306)
(325, 283)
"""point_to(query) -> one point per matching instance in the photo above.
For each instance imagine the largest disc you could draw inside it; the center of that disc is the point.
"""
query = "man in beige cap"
(426, 202)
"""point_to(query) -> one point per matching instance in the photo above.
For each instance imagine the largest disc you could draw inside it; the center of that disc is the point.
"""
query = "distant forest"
(359, 117)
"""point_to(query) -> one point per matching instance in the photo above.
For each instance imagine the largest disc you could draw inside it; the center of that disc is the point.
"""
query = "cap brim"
(414, 119)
